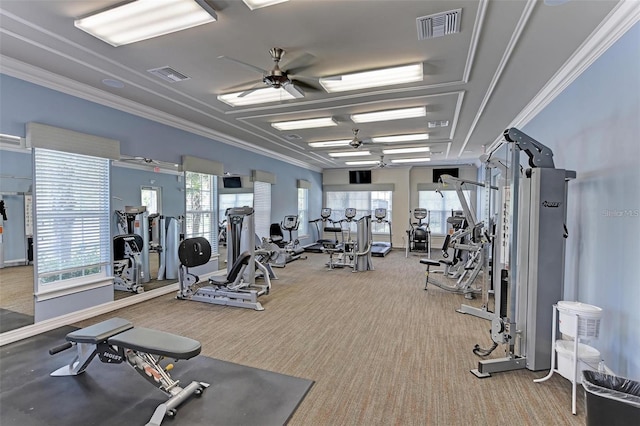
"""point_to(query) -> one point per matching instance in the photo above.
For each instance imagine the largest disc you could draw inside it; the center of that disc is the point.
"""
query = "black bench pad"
(99, 332)
(157, 343)
(430, 262)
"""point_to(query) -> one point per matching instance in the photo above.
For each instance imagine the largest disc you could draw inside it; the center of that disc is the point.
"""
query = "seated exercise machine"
(419, 234)
(116, 340)
(325, 215)
(381, 249)
(127, 267)
(239, 288)
(292, 248)
(229, 290)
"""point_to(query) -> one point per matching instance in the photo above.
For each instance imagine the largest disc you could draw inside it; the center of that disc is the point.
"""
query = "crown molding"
(623, 16)
(35, 75)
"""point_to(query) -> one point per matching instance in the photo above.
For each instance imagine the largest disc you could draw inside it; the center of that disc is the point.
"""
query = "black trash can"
(611, 400)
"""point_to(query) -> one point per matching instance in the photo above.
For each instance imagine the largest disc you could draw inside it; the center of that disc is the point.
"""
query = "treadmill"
(381, 249)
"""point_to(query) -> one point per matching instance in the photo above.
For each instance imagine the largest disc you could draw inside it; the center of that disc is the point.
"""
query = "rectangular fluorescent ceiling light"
(406, 150)
(349, 153)
(329, 144)
(377, 78)
(145, 19)
(257, 4)
(391, 114)
(361, 163)
(305, 124)
(401, 138)
(259, 96)
(411, 160)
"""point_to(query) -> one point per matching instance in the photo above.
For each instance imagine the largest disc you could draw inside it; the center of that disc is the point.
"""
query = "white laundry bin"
(588, 317)
(588, 359)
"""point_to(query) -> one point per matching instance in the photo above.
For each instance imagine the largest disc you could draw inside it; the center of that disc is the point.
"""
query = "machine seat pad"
(99, 332)
(157, 343)
(430, 262)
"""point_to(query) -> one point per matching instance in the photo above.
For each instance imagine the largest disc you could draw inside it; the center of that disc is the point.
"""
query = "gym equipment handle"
(60, 348)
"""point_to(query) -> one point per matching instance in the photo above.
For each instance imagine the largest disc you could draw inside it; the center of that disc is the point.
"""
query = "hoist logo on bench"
(109, 355)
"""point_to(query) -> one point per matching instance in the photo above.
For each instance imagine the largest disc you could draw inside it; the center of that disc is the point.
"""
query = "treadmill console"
(325, 213)
(350, 213)
(380, 214)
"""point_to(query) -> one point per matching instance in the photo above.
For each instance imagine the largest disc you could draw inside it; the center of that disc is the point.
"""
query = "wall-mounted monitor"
(359, 176)
(454, 172)
(232, 182)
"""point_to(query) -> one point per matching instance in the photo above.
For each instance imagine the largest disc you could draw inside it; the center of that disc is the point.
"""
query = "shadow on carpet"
(108, 394)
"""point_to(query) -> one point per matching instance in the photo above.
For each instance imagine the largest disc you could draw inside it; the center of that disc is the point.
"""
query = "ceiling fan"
(381, 164)
(277, 77)
(356, 142)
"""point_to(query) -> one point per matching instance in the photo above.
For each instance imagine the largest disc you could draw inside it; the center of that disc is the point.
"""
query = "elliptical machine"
(292, 248)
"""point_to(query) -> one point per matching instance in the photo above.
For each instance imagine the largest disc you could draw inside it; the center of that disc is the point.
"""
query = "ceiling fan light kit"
(145, 19)
(305, 124)
(391, 114)
(377, 78)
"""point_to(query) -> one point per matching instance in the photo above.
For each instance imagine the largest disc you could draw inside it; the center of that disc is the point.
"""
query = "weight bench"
(116, 340)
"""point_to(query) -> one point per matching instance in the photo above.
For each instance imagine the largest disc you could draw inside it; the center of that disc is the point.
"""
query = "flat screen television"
(359, 176)
(232, 182)
(439, 172)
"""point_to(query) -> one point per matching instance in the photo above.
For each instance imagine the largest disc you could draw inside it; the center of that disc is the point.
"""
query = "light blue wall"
(593, 127)
(22, 102)
(126, 184)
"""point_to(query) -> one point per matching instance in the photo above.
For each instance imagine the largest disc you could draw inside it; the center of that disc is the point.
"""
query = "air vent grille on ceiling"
(168, 74)
(439, 25)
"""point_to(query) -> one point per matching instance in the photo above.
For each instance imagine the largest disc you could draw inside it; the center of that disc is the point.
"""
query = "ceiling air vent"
(293, 137)
(439, 25)
(168, 74)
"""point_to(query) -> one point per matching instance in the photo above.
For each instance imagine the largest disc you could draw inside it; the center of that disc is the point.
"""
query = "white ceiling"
(479, 79)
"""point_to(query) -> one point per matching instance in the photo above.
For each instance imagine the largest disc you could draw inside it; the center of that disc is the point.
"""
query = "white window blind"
(262, 207)
(303, 211)
(71, 193)
(365, 203)
(201, 215)
(440, 207)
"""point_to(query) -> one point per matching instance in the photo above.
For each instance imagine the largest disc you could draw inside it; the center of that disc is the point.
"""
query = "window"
(71, 216)
(200, 219)
(233, 200)
(262, 207)
(303, 211)
(440, 207)
(150, 197)
(365, 203)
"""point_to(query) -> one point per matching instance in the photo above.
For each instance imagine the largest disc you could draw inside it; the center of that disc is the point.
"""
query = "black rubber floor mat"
(108, 394)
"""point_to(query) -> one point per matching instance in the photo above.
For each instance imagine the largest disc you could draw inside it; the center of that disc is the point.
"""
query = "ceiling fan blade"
(304, 85)
(294, 90)
(299, 64)
(247, 92)
(244, 64)
(243, 86)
